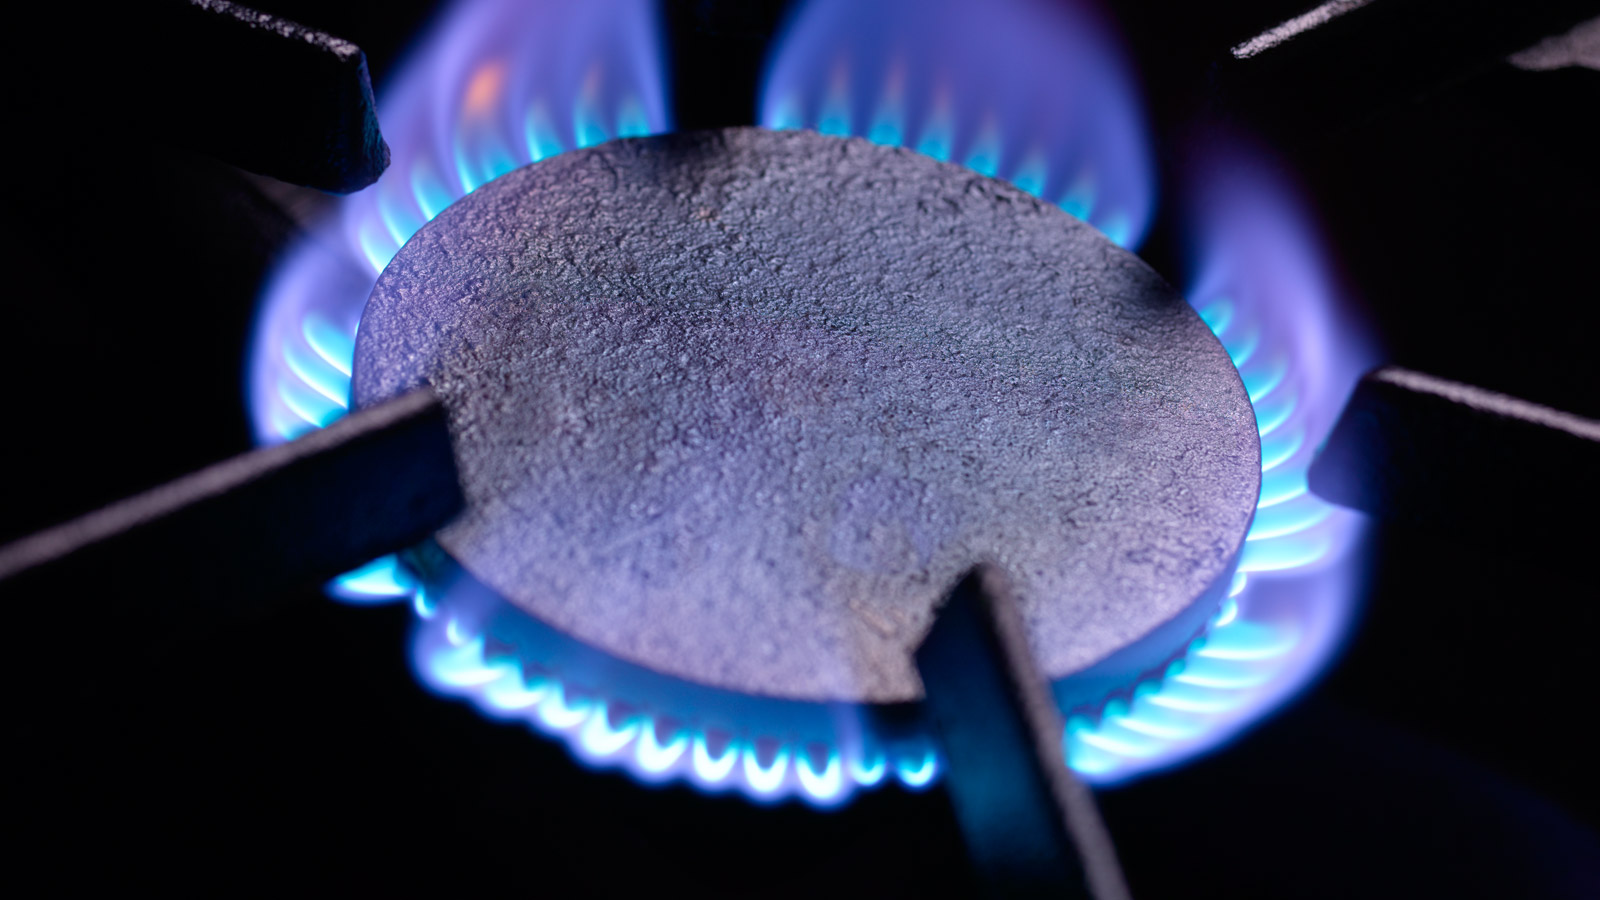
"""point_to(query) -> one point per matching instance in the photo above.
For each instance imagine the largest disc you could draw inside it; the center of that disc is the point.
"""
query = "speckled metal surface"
(740, 406)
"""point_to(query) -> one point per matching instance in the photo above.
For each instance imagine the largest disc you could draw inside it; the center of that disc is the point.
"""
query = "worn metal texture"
(1032, 829)
(233, 537)
(1417, 448)
(255, 90)
(739, 405)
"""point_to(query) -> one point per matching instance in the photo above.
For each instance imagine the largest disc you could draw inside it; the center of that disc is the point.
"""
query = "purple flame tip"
(1034, 93)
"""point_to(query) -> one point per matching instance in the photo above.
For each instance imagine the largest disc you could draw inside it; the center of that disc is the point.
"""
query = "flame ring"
(1249, 651)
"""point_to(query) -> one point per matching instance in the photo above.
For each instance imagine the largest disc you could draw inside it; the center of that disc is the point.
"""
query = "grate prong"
(1031, 828)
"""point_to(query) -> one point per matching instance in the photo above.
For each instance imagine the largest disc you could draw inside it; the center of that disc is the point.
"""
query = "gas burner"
(740, 407)
(753, 304)
(693, 594)
(682, 372)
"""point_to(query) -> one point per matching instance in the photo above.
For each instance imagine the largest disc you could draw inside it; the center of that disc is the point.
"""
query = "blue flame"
(611, 714)
(505, 84)
(381, 581)
(1265, 292)
(1030, 92)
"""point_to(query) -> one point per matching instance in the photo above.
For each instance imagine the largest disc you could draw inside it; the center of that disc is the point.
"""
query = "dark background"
(1446, 754)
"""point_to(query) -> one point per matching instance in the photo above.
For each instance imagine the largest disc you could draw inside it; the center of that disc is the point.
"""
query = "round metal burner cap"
(741, 406)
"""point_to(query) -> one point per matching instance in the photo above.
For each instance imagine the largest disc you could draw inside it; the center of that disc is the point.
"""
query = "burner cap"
(741, 406)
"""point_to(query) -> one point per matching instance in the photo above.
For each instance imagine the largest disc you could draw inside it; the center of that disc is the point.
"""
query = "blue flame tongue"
(1033, 93)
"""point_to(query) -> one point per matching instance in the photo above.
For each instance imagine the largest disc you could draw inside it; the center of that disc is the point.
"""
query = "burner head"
(741, 406)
